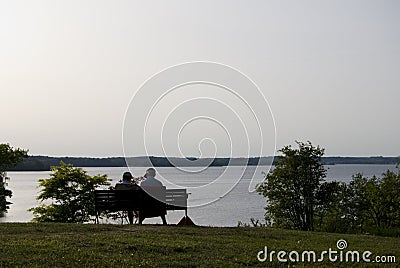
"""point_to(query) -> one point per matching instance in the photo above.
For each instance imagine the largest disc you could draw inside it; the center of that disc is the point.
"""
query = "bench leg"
(130, 216)
(164, 221)
(141, 218)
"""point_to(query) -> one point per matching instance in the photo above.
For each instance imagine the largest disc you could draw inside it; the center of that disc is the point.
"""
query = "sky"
(329, 71)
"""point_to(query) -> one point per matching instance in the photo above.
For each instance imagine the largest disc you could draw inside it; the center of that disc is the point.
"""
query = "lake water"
(237, 205)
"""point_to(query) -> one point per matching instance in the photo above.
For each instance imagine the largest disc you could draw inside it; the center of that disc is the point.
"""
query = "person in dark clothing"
(128, 183)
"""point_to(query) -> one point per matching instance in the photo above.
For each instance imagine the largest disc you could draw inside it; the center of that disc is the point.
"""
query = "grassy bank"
(71, 245)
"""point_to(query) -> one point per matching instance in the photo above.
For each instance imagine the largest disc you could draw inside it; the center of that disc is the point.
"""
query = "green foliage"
(298, 198)
(4, 193)
(377, 200)
(364, 205)
(71, 192)
(253, 223)
(9, 157)
(337, 209)
(292, 187)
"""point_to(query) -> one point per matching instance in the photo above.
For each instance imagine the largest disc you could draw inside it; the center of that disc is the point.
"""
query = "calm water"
(237, 205)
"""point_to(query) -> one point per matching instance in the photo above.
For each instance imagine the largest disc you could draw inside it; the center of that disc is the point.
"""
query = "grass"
(78, 245)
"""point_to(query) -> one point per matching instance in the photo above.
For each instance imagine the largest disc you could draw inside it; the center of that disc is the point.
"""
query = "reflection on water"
(237, 205)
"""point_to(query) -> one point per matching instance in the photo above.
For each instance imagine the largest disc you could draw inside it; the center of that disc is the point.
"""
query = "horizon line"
(99, 157)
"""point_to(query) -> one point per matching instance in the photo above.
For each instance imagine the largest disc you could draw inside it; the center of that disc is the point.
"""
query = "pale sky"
(330, 71)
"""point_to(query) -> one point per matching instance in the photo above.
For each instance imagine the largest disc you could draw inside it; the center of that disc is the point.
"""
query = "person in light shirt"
(156, 189)
(150, 179)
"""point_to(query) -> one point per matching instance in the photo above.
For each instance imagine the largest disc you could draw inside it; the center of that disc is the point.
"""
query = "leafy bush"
(71, 192)
(9, 157)
(292, 187)
(298, 198)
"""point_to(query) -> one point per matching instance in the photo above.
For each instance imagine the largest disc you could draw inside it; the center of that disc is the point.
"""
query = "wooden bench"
(110, 201)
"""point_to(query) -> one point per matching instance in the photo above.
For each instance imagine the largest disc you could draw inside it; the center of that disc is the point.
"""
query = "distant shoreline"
(43, 163)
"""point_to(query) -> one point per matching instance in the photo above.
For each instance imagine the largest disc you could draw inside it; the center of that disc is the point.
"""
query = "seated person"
(127, 183)
(156, 189)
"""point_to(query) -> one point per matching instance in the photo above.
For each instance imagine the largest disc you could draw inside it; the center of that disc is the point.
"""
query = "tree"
(71, 192)
(4, 193)
(363, 205)
(376, 200)
(291, 187)
(335, 208)
(9, 157)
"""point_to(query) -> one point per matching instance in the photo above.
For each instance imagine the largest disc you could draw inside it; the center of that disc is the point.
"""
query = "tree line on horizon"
(44, 163)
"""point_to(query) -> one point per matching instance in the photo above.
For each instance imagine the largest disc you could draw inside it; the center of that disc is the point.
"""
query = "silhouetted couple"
(151, 186)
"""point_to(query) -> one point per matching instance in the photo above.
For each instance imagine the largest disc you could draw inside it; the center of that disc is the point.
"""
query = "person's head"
(151, 172)
(127, 176)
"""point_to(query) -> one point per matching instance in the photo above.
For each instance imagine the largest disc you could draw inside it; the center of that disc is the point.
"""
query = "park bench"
(116, 201)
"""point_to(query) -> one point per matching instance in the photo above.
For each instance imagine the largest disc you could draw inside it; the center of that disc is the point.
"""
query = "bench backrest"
(117, 200)
(176, 199)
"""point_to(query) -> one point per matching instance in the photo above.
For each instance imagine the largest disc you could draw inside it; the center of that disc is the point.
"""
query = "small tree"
(376, 200)
(4, 193)
(71, 192)
(292, 187)
(334, 212)
(9, 157)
